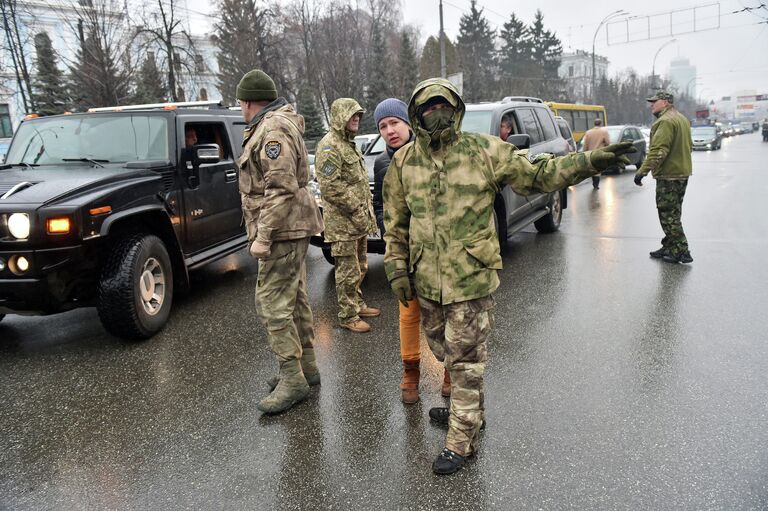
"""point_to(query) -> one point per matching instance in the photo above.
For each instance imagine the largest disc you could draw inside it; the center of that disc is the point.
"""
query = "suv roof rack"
(160, 106)
(529, 99)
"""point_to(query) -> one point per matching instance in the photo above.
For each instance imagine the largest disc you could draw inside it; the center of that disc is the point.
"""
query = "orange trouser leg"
(410, 319)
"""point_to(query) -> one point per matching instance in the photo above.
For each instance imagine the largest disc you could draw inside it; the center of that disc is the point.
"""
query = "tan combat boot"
(445, 390)
(410, 384)
(359, 326)
(369, 312)
(292, 388)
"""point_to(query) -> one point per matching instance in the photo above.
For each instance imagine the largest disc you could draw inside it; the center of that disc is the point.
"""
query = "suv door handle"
(230, 175)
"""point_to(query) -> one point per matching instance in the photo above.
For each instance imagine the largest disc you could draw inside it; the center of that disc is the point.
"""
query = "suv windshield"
(477, 121)
(613, 134)
(100, 137)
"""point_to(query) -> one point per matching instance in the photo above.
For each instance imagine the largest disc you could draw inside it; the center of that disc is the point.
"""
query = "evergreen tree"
(95, 78)
(514, 58)
(429, 67)
(245, 40)
(378, 78)
(476, 54)
(313, 121)
(407, 68)
(546, 50)
(48, 88)
(150, 85)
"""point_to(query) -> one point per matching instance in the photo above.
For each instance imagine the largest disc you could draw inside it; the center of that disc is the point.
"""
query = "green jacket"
(274, 172)
(669, 156)
(438, 205)
(343, 179)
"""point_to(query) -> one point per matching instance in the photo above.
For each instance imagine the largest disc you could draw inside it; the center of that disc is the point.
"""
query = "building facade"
(576, 70)
(682, 75)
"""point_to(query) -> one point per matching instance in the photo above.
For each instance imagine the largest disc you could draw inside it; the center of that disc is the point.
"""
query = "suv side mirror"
(521, 140)
(207, 153)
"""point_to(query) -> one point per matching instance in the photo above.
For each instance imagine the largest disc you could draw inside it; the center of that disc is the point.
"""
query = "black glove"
(611, 155)
(401, 286)
(639, 179)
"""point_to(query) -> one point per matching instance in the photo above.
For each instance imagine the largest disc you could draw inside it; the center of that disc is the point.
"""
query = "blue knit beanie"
(391, 107)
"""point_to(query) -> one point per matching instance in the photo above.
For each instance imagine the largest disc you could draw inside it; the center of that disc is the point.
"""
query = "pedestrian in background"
(391, 116)
(438, 213)
(280, 216)
(669, 161)
(595, 138)
(347, 211)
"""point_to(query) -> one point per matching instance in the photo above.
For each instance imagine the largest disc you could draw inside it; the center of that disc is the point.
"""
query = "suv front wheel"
(551, 221)
(136, 287)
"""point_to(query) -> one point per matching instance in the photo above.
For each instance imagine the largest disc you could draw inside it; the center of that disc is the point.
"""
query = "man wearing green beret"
(669, 160)
(280, 216)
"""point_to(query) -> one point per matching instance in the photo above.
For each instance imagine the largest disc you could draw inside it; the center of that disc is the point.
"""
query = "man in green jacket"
(669, 160)
(438, 213)
(347, 211)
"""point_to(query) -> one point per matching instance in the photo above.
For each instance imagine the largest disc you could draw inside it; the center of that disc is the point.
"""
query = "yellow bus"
(579, 117)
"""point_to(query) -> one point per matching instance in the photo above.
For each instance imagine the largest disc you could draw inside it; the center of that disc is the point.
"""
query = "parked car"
(110, 209)
(4, 144)
(626, 133)
(363, 141)
(705, 138)
(646, 135)
(566, 133)
(534, 128)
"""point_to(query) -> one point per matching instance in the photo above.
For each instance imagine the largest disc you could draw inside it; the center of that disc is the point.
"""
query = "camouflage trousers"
(457, 334)
(669, 202)
(282, 302)
(351, 267)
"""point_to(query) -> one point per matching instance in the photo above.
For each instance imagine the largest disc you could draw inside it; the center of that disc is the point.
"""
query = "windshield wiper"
(97, 163)
(5, 166)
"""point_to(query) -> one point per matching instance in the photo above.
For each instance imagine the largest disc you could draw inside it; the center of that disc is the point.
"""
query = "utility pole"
(443, 70)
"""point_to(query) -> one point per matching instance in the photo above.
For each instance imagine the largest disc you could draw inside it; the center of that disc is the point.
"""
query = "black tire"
(551, 221)
(328, 257)
(126, 308)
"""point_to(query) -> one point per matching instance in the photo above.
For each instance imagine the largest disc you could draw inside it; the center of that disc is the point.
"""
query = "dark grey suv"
(533, 127)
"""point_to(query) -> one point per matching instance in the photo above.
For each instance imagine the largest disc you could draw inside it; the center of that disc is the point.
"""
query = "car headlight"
(18, 225)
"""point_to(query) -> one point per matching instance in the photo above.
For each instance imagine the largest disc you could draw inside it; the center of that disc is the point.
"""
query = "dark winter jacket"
(380, 166)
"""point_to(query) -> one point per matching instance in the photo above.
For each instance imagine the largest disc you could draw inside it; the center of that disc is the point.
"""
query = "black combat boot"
(447, 462)
(658, 254)
(682, 258)
(440, 414)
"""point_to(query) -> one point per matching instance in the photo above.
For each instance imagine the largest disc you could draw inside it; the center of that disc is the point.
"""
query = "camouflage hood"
(342, 111)
(427, 90)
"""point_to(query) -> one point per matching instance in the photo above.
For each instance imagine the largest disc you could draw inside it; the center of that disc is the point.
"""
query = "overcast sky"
(729, 50)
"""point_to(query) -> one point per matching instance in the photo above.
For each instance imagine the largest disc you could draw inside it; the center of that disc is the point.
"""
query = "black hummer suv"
(533, 128)
(113, 207)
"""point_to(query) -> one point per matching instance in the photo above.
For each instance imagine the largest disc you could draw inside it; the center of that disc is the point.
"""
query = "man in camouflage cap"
(438, 212)
(347, 211)
(280, 216)
(669, 160)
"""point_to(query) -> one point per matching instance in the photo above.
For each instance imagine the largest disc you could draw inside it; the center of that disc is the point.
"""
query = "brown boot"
(445, 390)
(410, 384)
(369, 312)
(359, 326)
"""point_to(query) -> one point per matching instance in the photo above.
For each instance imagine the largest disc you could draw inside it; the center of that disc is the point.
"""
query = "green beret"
(256, 85)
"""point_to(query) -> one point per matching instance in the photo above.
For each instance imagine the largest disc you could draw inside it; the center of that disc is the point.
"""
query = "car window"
(527, 121)
(211, 133)
(580, 121)
(565, 130)
(613, 134)
(547, 124)
(478, 122)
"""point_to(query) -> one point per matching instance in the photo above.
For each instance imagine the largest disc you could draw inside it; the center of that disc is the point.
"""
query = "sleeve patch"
(272, 149)
(328, 169)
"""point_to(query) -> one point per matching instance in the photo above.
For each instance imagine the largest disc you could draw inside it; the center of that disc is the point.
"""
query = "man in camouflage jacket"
(347, 211)
(669, 160)
(438, 212)
(280, 216)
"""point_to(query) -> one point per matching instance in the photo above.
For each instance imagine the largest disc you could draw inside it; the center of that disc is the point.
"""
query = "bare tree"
(16, 48)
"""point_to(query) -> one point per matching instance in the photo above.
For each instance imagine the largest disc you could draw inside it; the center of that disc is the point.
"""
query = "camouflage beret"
(661, 95)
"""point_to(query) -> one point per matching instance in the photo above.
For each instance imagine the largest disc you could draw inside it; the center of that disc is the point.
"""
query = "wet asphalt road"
(615, 381)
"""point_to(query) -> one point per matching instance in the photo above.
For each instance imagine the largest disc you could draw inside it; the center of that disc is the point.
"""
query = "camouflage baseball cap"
(661, 95)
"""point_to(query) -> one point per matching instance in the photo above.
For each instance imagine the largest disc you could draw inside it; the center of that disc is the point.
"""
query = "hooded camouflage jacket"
(274, 172)
(343, 179)
(669, 156)
(438, 204)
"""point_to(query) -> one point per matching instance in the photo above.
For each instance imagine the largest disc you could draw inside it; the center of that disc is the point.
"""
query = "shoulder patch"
(272, 149)
(328, 169)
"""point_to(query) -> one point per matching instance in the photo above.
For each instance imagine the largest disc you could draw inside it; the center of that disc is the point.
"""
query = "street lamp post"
(612, 15)
(688, 85)
(653, 67)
